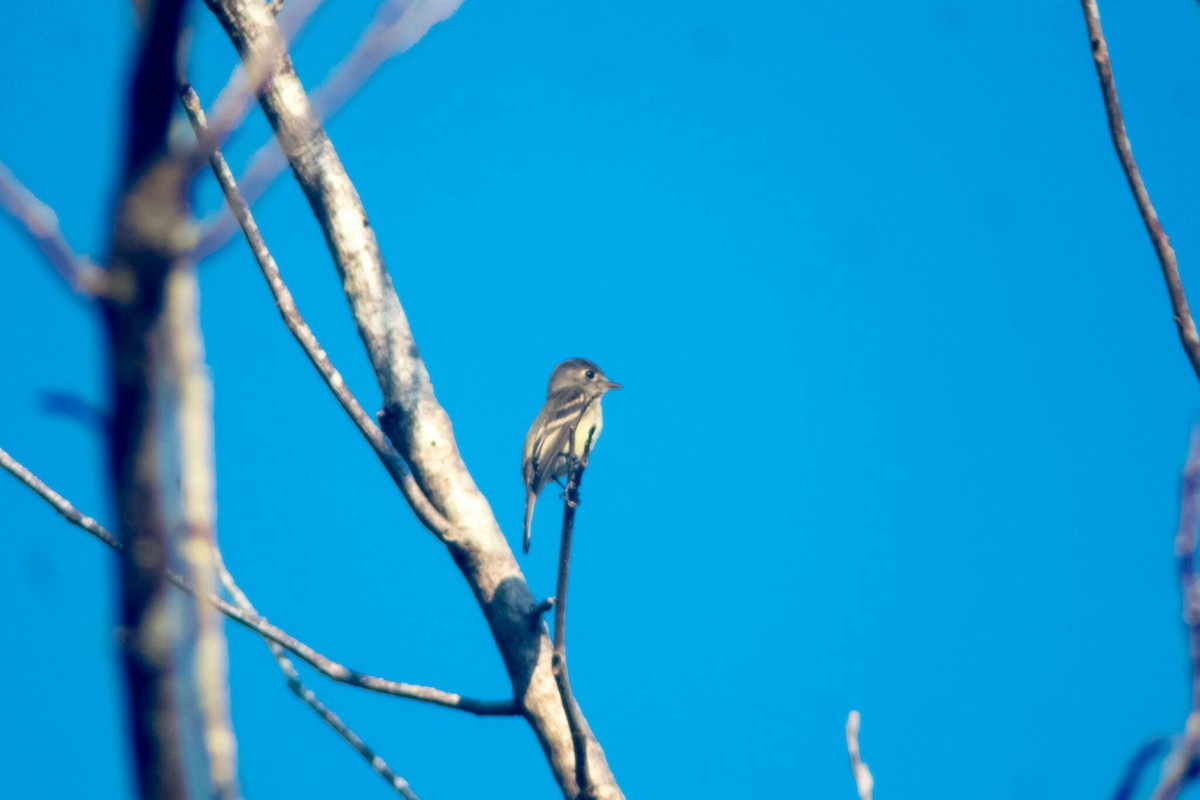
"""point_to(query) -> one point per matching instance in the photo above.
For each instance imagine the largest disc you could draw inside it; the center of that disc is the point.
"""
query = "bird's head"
(580, 374)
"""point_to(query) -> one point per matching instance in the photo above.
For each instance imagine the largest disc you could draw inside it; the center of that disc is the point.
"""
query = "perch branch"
(40, 223)
(1188, 336)
(575, 721)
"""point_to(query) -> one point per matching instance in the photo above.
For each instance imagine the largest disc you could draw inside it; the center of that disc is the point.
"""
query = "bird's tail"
(530, 499)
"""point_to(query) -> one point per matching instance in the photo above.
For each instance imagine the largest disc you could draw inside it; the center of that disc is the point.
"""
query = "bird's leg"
(571, 496)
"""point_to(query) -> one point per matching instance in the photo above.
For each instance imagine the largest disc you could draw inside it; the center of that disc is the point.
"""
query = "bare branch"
(862, 774)
(575, 720)
(412, 418)
(57, 501)
(426, 513)
(251, 620)
(1183, 770)
(245, 82)
(40, 223)
(341, 674)
(1150, 751)
(308, 697)
(1188, 336)
(160, 454)
(396, 27)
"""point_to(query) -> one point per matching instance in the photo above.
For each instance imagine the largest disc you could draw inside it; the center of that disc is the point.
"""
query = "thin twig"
(1175, 779)
(413, 419)
(40, 223)
(326, 666)
(396, 27)
(1188, 336)
(559, 659)
(1145, 755)
(57, 501)
(341, 674)
(862, 774)
(308, 697)
(426, 513)
(245, 82)
(578, 726)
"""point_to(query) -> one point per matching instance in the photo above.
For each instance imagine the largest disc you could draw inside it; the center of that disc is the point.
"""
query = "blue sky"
(904, 417)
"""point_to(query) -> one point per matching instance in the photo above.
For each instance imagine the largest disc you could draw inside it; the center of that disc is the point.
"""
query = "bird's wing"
(563, 411)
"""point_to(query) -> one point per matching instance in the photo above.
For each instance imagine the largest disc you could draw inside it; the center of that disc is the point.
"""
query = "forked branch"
(426, 513)
(412, 418)
(251, 620)
(397, 25)
(40, 223)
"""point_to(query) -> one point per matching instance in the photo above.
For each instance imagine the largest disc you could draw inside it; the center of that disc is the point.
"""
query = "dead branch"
(237, 97)
(426, 513)
(40, 223)
(1188, 336)
(397, 26)
(412, 417)
(251, 620)
(863, 781)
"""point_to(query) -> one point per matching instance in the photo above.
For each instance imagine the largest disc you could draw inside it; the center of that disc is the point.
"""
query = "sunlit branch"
(397, 26)
(1188, 336)
(426, 513)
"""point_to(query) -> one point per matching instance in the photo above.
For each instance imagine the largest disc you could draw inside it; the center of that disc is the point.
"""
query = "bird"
(572, 405)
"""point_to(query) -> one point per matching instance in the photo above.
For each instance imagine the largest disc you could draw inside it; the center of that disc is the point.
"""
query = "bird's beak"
(609, 385)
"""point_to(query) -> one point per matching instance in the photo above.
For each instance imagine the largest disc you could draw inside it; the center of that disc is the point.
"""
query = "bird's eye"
(591, 374)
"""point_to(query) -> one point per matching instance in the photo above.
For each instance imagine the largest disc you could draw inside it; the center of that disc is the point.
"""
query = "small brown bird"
(572, 404)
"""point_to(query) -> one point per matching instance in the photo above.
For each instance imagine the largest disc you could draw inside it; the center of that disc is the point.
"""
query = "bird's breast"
(590, 423)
